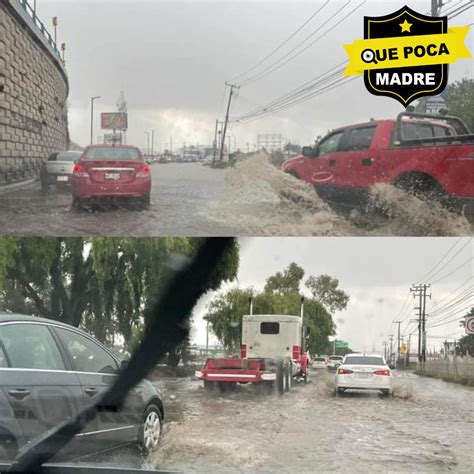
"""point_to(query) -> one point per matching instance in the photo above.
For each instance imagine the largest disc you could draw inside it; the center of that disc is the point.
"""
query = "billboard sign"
(113, 121)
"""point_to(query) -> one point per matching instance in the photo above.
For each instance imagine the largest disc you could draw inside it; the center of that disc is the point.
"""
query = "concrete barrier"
(33, 94)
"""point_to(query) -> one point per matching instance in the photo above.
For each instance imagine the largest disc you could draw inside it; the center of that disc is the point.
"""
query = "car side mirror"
(123, 364)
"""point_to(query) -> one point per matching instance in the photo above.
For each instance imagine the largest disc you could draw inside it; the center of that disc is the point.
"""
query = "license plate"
(62, 178)
(112, 176)
(363, 376)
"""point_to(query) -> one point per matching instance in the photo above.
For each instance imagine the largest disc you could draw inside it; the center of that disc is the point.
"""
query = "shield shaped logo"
(404, 23)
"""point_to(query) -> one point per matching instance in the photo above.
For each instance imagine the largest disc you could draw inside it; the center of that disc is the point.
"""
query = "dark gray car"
(49, 371)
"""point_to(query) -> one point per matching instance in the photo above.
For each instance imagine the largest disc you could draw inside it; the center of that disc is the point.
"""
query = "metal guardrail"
(40, 25)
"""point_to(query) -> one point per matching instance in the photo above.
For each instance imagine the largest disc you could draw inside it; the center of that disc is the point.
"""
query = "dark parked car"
(49, 371)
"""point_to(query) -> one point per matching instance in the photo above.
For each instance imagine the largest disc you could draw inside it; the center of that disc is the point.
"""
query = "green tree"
(281, 295)
(284, 282)
(326, 290)
(459, 101)
(466, 343)
(101, 284)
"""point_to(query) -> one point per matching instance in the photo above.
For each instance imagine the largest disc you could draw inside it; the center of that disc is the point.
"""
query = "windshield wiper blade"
(166, 327)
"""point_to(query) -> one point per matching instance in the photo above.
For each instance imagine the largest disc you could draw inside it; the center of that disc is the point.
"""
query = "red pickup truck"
(431, 156)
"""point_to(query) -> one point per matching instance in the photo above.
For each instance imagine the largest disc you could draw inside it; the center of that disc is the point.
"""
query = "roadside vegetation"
(459, 379)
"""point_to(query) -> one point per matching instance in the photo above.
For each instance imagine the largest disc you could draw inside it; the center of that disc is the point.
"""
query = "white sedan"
(319, 363)
(364, 372)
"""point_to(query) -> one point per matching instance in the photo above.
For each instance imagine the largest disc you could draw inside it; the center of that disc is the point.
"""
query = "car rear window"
(320, 359)
(112, 153)
(363, 360)
(270, 328)
(336, 358)
(68, 156)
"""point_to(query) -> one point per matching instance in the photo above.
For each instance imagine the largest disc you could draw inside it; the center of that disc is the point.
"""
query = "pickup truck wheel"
(423, 187)
(287, 378)
(208, 386)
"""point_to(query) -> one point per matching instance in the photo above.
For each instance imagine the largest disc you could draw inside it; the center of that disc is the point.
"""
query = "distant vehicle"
(57, 170)
(51, 371)
(319, 363)
(107, 171)
(271, 356)
(334, 361)
(364, 372)
(419, 153)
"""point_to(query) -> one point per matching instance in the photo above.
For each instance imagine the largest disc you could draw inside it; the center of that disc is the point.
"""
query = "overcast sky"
(376, 273)
(172, 59)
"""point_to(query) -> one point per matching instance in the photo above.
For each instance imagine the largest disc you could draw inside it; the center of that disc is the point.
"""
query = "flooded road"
(180, 200)
(254, 198)
(426, 427)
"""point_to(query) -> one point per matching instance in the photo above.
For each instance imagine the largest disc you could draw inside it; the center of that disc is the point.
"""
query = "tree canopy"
(100, 284)
(281, 295)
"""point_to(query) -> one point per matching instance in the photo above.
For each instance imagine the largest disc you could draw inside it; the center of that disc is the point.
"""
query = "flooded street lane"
(181, 196)
(252, 199)
(426, 427)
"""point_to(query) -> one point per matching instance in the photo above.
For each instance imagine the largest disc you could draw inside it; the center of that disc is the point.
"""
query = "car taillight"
(243, 351)
(295, 353)
(79, 171)
(344, 371)
(382, 372)
(144, 172)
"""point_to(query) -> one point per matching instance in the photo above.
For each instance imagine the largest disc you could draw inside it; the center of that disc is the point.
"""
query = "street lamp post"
(147, 143)
(92, 116)
(152, 142)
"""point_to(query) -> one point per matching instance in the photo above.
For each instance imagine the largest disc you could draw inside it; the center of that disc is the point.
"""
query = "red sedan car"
(107, 171)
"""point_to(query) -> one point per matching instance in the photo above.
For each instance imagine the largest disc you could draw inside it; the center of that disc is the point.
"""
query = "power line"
(307, 86)
(283, 43)
(454, 271)
(328, 87)
(451, 313)
(428, 275)
(277, 66)
(454, 291)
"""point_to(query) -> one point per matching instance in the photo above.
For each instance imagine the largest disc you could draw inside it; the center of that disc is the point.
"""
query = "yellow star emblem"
(406, 26)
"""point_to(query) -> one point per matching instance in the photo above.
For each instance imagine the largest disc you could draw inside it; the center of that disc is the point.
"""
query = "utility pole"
(92, 116)
(391, 348)
(423, 320)
(147, 143)
(214, 148)
(398, 340)
(385, 343)
(436, 6)
(420, 291)
(231, 93)
(407, 360)
(171, 145)
(152, 142)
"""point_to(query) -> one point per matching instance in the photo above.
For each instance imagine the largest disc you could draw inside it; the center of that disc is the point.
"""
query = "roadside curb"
(10, 187)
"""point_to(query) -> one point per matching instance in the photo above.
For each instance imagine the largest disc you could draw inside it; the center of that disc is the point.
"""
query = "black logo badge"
(407, 83)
